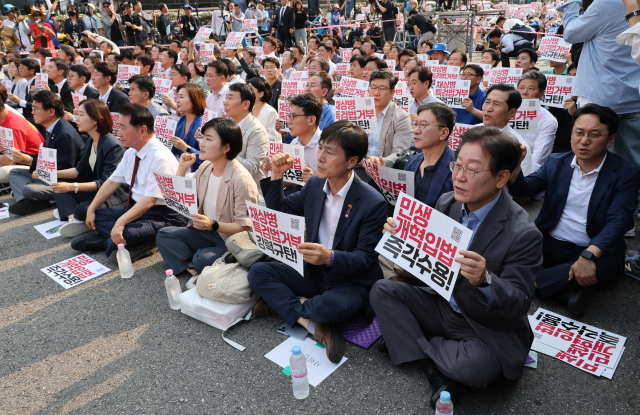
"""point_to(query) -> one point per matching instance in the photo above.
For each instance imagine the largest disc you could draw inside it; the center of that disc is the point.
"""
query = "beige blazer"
(395, 135)
(236, 187)
(255, 147)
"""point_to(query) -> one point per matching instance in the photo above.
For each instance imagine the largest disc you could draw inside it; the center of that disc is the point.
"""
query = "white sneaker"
(631, 233)
(192, 282)
(73, 229)
(56, 214)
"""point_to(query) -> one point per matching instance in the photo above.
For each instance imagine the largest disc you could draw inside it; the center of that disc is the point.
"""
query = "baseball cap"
(8, 8)
(186, 6)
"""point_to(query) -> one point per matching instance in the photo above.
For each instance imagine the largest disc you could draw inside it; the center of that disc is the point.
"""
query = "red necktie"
(133, 180)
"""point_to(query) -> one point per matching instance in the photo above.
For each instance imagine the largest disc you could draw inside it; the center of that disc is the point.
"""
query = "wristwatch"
(75, 187)
(632, 14)
(588, 255)
(188, 150)
(215, 225)
(488, 279)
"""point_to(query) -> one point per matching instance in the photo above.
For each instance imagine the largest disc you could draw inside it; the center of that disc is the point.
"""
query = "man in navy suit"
(283, 23)
(58, 71)
(591, 197)
(104, 76)
(343, 217)
(79, 75)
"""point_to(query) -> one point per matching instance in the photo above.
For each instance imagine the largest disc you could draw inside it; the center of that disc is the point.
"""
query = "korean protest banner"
(165, 129)
(445, 72)
(284, 108)
(233, 40)
(115, 116)
(427, 61)
(208, 115)
(163, 87)
(47, 165)
(157, 69)
(401, 95)
(345, 54)
(179, 192)
(391, 181)
(206, 52)
(79, 61)
(294, 174)
(526, 119)
(366, 9)
(559, 89)
(342, 69)
(352, 87)
(486, 68)
(6, 142)
(380, 55)
(360, 111)
(583, 346)
(202, 35)
(425, 244)
(552, 47)
(299, 76)
(250, 26)
(77, 99)
(278, 234)
(125, 72)
(42, 80)
(454, 137)
(47, 61)
(293, 88)
(75, 271)
(259, 52)
(451, 92)
(391, 64)
(7, 85)
(505, 76)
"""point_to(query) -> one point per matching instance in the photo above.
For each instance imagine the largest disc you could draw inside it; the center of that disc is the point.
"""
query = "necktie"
(47, 137)
(281, 15)
(133, 180)
(13, 88)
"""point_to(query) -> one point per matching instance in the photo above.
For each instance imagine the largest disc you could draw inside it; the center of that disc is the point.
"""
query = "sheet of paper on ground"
(391, 181)
(50, 229)
(4, 210)
(278, 234)
(440, 238)
(179, 192)
(75, 271)
(318, 365)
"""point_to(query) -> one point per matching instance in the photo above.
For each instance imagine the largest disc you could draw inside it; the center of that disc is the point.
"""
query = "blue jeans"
(119, 43)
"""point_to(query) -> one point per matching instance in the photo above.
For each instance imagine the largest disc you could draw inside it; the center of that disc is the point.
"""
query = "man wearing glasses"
(483, 331)
(591, 199)
(472, 112)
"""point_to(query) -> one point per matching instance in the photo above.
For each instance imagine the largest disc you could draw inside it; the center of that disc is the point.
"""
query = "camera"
(374, 6)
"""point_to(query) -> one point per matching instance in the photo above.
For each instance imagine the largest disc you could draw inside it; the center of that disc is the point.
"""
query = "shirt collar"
(84, 88)
(574, 164)
(223, 90)
(482, 213)
(106, 94)
(384, 112)
(61, 84)
(345, 189)
(52, 126)
(243, 120)
(147, 148)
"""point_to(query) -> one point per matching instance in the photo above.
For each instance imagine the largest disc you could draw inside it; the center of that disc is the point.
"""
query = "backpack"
(520, 30)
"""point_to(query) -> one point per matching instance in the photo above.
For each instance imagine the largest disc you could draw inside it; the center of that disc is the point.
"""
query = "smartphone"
(297, 331)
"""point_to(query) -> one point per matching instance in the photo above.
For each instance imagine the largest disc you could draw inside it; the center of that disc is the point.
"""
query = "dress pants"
(144, 229)
(4, 171)
(285, 37)
(416, 324)
(75, 204)
(24, 186)
(329, 301)
(559, 257)
(183, 248)
(389, 33)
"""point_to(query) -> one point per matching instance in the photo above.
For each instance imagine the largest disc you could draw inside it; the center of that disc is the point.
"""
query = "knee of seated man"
(489, 368)
(381, 288)
(258, 273)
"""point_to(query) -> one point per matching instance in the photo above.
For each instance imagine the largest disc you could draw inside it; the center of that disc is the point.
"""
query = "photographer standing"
(388, 19)
(91, 21)
(42, 32)
(15, 21)
(145, 19)
(188, 23)
(73, 27)
(112, 24)
(133, 25)
(164, 26)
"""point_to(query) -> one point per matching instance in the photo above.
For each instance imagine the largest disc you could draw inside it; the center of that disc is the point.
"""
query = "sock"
(311, 327)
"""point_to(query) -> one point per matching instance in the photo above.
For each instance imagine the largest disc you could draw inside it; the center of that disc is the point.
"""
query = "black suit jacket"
(288, 20)
(67, 141)
(29, 101)
(108, 156)
(116, 98)
(65, 95)
(91, 93)
(277, 90)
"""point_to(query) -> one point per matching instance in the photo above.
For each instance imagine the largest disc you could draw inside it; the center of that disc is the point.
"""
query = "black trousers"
(73, 203)
(559, 256)
(285, 37)
(389, 33)
(504, 57)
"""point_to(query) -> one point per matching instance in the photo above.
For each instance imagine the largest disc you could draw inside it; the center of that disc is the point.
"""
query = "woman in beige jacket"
(223, 187)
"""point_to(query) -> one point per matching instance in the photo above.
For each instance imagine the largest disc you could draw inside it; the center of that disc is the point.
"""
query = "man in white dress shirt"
(216, 79)
(419, 83)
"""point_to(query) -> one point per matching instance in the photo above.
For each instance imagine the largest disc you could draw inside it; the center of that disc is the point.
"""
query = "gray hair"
(384, 74)
(536, 76)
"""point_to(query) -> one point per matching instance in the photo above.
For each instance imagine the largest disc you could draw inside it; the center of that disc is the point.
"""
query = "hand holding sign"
(473, 266)
(316, 254)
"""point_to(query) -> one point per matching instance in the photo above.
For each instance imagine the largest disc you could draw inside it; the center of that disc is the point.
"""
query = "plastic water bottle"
(444, 406)
(299, 380)
(172, 285)
(124, 262)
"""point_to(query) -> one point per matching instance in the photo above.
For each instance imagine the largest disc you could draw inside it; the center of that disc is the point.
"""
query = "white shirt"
(211, 196)
(331, 212)
(267, 117)
(216, 102)
(21, 32)
(60, 85)
(104, 98)
(332, 68)
(527, 164)
(414, 105)
(235, 80)
(153, 155)
(542, 143)
(310, 151)
(572, 226)
(374, 138)
(28, 86)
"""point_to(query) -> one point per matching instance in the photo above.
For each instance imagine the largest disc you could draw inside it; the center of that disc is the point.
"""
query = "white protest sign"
(165, 129)
(125, 72)
(293, 88)
(445, 72)
(401, 95)
(505, 76)
(4, 210)
(526, 119)
(345, 54)
(299, 76)
(179, 192)
(451, 92)
(206, 52)
(42, 80)
(77, 99)
(391, 64)
(426, 60)
(208, 115)
(51, 229)
(284, 108)
(202, 35)
(365, 9)
(259, 52)
(343, 69)
(7, 85)
(454, 137)
(552, 47)
(79, 61)
(75, 271)
(360, 111)
(391, 181)
(47, 61)
(360, 17)
(559, 89)
(425, 244)
(352, 87)
(486, 68)
(47, 165)
(278, 234)
(157, 69)
(233, 40)
(380, 56)
(115, 116)
(294, 174)
(250, 26)
(163, 86)
(6, 141)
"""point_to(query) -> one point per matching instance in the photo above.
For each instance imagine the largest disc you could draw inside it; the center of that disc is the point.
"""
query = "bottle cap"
(445, 396)
(296, 350)
(120, 246)
(168, 272)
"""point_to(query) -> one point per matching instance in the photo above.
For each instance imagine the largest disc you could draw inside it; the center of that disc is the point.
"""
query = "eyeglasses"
(466, 171)
(467, 75)
(292, 117)
(381, 89)
(592, 136)
(422, 125)
(270, 67)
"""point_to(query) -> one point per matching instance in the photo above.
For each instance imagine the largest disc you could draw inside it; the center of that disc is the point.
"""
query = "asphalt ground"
(114, 346)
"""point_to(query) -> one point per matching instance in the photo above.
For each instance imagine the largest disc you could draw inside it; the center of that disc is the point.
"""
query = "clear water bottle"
(124, 262)
(172, 285)
(444, 406)
(299, 380)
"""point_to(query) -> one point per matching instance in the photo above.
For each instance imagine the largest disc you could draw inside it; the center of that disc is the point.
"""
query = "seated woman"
(223, 187)
(266, 114)
(197, 75)
(102, 153)
(191, 103)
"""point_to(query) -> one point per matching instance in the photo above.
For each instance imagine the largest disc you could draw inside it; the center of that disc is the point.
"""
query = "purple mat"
(359, 331)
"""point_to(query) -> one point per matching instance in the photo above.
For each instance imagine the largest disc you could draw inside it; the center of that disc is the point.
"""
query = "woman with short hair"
(191, 103)
(266, 114)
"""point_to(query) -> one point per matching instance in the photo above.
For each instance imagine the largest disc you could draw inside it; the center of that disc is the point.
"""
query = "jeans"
(301, 37)
(119, 43)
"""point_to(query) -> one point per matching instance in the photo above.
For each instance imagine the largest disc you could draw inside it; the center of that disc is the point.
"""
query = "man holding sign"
(344, 217)
(483, 331)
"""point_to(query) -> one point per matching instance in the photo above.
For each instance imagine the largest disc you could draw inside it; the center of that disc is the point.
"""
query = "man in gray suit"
(142, 90)
(483, 331)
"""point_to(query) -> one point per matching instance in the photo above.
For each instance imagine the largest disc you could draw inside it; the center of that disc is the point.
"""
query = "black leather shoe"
(137, 252)
(27, 207)
(382, 346)
(89, 242)
(440, 383)
(576, 302)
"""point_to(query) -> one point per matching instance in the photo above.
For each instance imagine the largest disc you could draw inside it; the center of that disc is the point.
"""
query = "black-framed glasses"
(592, 136)
(455, 169)
(292, 117)
(423, 124)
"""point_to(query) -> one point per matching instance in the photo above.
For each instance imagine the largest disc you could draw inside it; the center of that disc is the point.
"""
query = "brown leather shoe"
(262, 309)
(330, 335)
